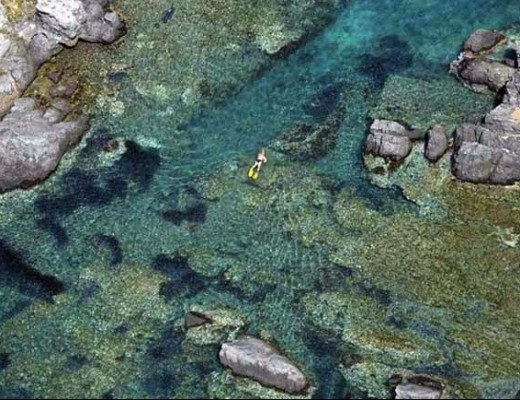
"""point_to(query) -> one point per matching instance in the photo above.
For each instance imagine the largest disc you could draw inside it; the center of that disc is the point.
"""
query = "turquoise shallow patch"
(284, 253)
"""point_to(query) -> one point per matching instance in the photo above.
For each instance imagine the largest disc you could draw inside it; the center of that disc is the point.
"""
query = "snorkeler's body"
(260, 160)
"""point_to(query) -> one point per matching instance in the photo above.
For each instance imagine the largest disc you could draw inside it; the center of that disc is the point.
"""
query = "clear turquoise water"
(52, 226)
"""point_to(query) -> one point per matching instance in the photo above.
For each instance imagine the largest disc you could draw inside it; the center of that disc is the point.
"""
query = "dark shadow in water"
(95, 187)
(195, 213)
(326, 100)
(15, 272)
(17, 308)
(15, 394)
(160, 375)
(326, 348)
(383, 297)
(109, 245)
(391, 55)
(75, 363)
(183, 280)
(87, 293)
(55, 229)
(108, 395)
(4, 361)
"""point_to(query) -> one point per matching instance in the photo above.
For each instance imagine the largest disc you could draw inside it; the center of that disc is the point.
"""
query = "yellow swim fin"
(255, 175)
(251, 173)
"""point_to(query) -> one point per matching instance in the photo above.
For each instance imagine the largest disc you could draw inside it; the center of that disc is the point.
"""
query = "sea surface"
(100, 263)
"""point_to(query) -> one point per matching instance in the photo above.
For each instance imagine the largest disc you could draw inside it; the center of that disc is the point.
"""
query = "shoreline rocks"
(484, 152)
(35, 139)
(260, 361)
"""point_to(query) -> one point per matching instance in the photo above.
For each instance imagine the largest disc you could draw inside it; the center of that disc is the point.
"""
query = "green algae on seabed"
(83, 324)
(450, 280)
(213, 47)
(422, 103)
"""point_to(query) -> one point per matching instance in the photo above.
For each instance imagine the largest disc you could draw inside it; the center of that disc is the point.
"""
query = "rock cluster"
(489, 152)
(35, 139)
(485, 152)
(475, 69)
(393, 141)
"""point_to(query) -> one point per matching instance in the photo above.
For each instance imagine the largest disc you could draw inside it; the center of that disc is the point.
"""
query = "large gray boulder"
(414, 391)
(483, 40)
(466, 132)
(504, 119)
(480, 73)
(260, 361)
(32, 142)
(386, 127)
(436, 143)
(71, 20)
(388, 139)
(392, 147)
(478, 163)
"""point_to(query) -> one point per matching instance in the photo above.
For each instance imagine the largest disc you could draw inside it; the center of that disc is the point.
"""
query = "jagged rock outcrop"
(29, 41)
(490, 152)
(260, 361)
(32, 142)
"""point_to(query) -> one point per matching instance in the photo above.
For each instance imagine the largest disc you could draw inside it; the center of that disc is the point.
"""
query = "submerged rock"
(304, 141)
(32, 143)
(194, 318)
(256, 359)
(307, 141)
(483, 40)
(475, 162)
(221, 325)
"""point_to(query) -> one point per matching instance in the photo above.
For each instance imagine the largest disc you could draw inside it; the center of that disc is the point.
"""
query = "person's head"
(262, 151)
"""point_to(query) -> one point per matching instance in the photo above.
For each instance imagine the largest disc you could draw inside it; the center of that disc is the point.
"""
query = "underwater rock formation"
(32, 142)
(258, 360)
(307, 141)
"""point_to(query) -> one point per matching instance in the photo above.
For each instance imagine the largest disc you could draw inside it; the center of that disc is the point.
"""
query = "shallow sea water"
(136, 246)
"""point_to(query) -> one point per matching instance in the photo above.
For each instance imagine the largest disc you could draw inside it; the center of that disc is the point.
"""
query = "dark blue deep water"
(101, 262)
